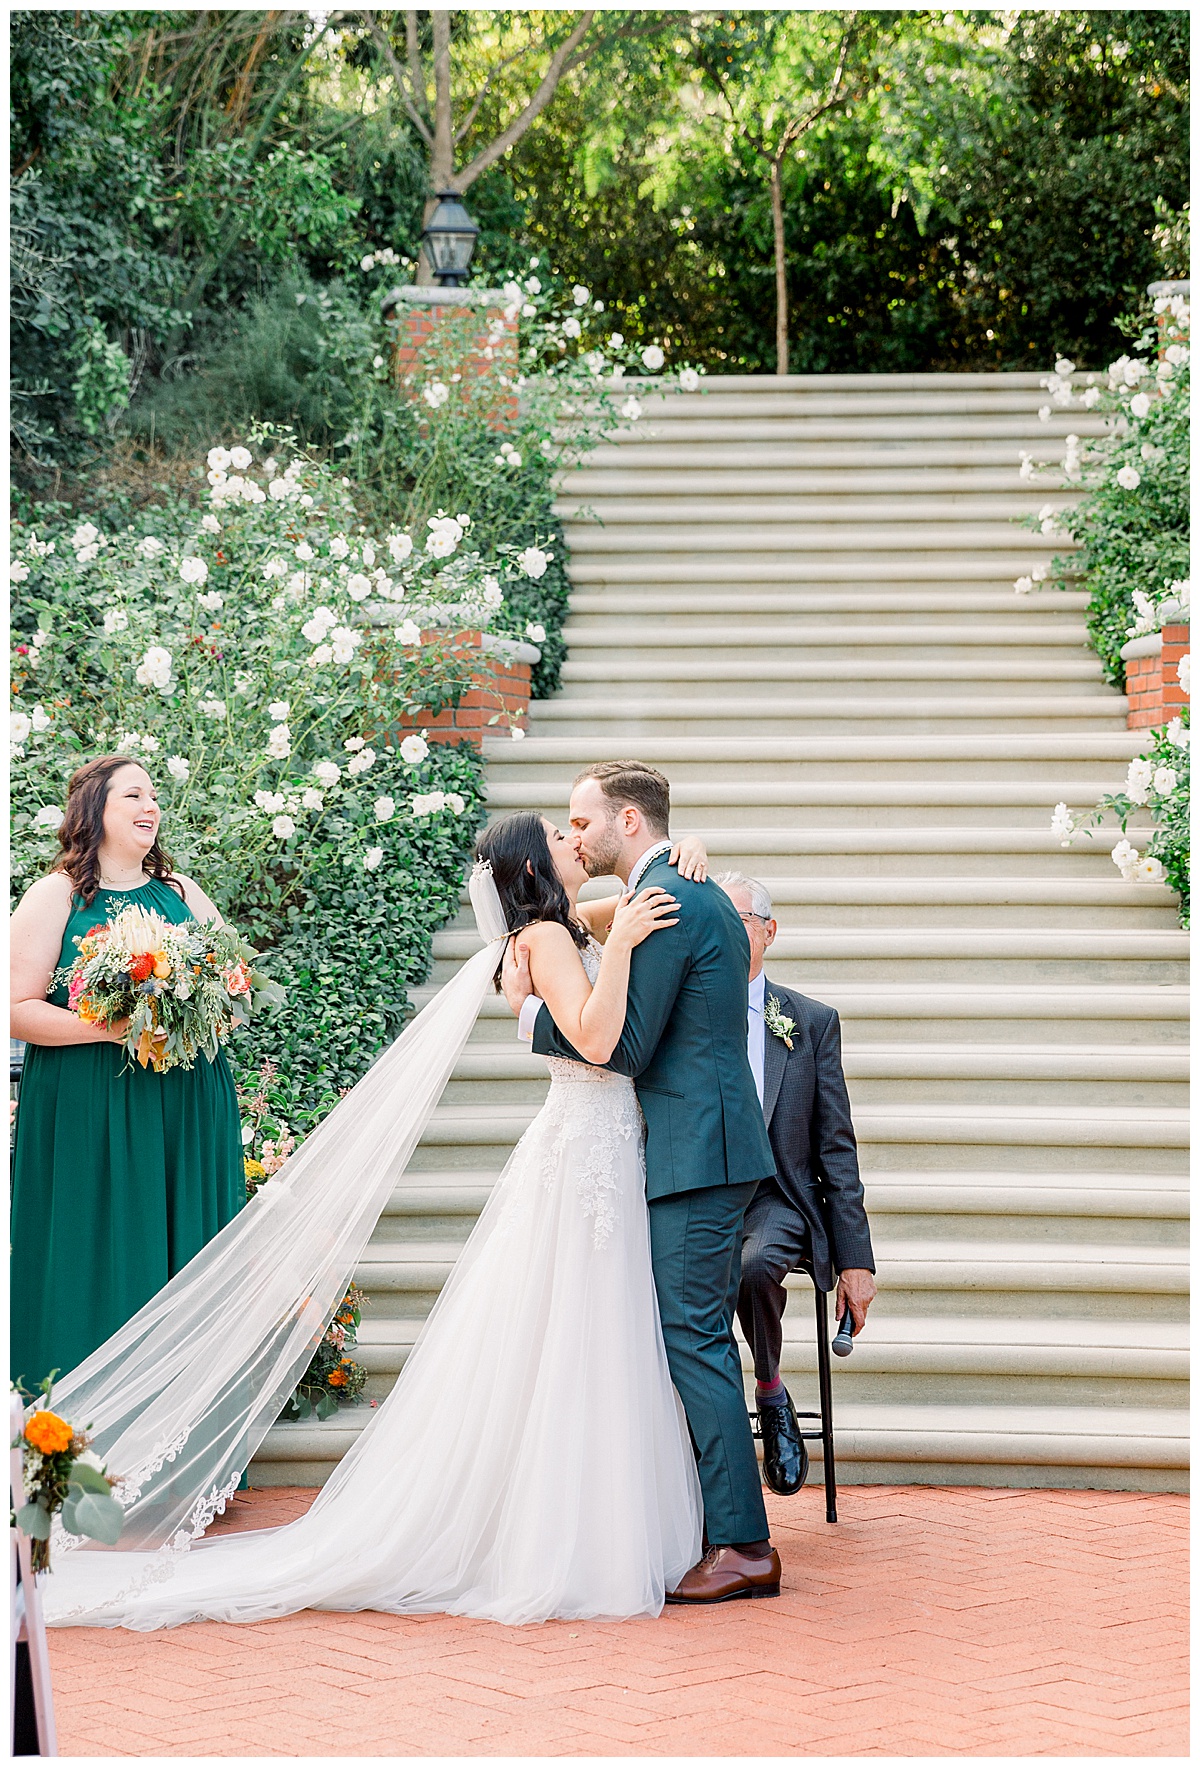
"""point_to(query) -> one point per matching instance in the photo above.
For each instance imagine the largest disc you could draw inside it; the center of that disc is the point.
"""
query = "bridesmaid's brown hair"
(82, 829)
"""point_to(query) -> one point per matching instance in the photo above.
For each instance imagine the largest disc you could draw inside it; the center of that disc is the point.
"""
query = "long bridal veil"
(179, 1399)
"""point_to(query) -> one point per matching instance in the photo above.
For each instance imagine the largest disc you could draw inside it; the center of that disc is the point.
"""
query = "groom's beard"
(604, 858)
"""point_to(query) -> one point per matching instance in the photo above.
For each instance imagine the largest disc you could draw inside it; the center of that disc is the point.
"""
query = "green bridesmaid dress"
(120, 1175)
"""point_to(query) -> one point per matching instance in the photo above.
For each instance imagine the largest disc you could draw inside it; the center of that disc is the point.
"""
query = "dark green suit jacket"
(684, 1044)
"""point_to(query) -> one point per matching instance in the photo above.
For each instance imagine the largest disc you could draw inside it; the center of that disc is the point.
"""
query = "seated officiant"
(811, 1214)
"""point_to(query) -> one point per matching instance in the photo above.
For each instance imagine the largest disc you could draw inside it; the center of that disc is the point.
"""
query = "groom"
(684, 1045)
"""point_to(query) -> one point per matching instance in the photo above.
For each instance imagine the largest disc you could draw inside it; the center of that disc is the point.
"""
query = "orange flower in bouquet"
(48, 1433)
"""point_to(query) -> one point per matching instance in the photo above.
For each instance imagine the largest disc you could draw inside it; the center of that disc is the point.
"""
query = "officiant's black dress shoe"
(785, 1456)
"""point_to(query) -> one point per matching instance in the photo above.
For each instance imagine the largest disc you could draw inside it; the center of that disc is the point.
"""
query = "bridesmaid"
(120, 1174)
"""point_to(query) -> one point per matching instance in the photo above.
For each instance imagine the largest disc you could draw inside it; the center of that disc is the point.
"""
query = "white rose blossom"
(631, 409)
(19, 727)
(1129, 478)
(1165, 781)
(1138, 779)
(155, 669)
(1178, 733)
(1062, 824)
(353, 743)
(328, 772)
(653, 358)
(413, 750)
(193, 570)
(435, 394)
(409, 633)
(358, 587)
(278, 710)
(212, 708)
(40, 719)
(17, 571)
(1139, 405)
(361, 762)
(372, 858)
(534, 562)
(49, 816)
(400, 546)
(312, 799)
(241, 458)
(456, 802)
(339, 546)
(279, 743)
(270, 801)
(115, 620)
(1184, 673)
(385, 809)
(345, 642)
(178, 768)
(283, 828)
(219, 459)
(580, 295)
(319, 625)
(1149, 870)
(689, 380)
(212, 601)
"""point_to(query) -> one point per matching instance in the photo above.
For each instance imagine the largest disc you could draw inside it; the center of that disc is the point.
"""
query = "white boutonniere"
(776, 1023)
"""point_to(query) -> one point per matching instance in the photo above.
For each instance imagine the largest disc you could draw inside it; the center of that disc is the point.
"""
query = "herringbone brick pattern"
(928, 1622)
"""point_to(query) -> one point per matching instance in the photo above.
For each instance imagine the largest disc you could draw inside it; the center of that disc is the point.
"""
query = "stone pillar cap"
(409, 295)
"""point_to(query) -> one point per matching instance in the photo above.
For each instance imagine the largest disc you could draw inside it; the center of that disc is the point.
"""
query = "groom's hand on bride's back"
(514, 977)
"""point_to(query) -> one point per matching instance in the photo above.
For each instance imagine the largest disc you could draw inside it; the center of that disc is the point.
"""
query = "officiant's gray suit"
(812, 1211)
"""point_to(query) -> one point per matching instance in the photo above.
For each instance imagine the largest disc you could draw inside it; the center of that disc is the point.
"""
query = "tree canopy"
(907, 190)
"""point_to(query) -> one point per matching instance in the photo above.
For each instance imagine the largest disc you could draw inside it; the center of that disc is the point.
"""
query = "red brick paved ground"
(928, 1622)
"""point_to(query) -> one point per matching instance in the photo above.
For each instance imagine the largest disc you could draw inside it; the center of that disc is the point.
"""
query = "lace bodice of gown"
(573, 1072)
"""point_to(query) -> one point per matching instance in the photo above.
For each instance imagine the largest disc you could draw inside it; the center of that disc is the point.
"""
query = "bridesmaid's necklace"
(108, 883)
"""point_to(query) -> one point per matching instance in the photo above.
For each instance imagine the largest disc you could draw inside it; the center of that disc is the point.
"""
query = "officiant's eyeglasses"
(765, 918)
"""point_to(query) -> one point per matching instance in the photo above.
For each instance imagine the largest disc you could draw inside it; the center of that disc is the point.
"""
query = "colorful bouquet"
(183, 988)
(63, 1476)
(331, 1375)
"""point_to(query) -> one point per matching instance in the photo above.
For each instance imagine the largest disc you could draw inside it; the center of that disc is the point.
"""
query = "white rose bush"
(271, 724)
(1133, 535)
(1132, 527)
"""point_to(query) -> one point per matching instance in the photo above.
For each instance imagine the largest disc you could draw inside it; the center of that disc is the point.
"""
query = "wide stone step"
(683, 424)
(594, 485)
(615, 607)
(811, 536)
(801, 796)
(940, 636)
(903, 708)
(811, 565)
(556, 757)
(993, 1009)
(752, 508)
(916, 1061)
(682, 677)
(1118, 1448)
(500, 1123)
(661, 451)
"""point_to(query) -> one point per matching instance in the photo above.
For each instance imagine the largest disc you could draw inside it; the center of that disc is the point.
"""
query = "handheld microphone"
(843, 1343)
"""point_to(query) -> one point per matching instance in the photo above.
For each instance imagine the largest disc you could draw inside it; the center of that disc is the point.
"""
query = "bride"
(533, 1460)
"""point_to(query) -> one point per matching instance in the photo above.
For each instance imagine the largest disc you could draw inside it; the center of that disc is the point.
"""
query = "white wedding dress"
(532, 1462)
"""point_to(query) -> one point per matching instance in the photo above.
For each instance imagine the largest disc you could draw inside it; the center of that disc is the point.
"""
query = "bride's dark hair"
(530, 889)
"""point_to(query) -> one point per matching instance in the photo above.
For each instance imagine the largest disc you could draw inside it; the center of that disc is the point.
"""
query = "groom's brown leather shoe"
(725, 1574)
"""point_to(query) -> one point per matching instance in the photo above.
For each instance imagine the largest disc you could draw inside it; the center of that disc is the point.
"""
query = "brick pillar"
(1152, 678)
(497, 699)
(442, 333)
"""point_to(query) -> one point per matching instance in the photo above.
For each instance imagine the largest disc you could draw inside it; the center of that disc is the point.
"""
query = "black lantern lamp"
(449, 240)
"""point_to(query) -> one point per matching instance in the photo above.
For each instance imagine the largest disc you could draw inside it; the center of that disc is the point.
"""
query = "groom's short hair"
(632, 782)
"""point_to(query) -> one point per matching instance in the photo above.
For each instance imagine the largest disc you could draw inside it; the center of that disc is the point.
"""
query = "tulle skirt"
(533, 1460)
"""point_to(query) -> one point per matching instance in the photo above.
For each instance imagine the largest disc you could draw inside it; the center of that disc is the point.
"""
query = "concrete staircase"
(796, 597)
